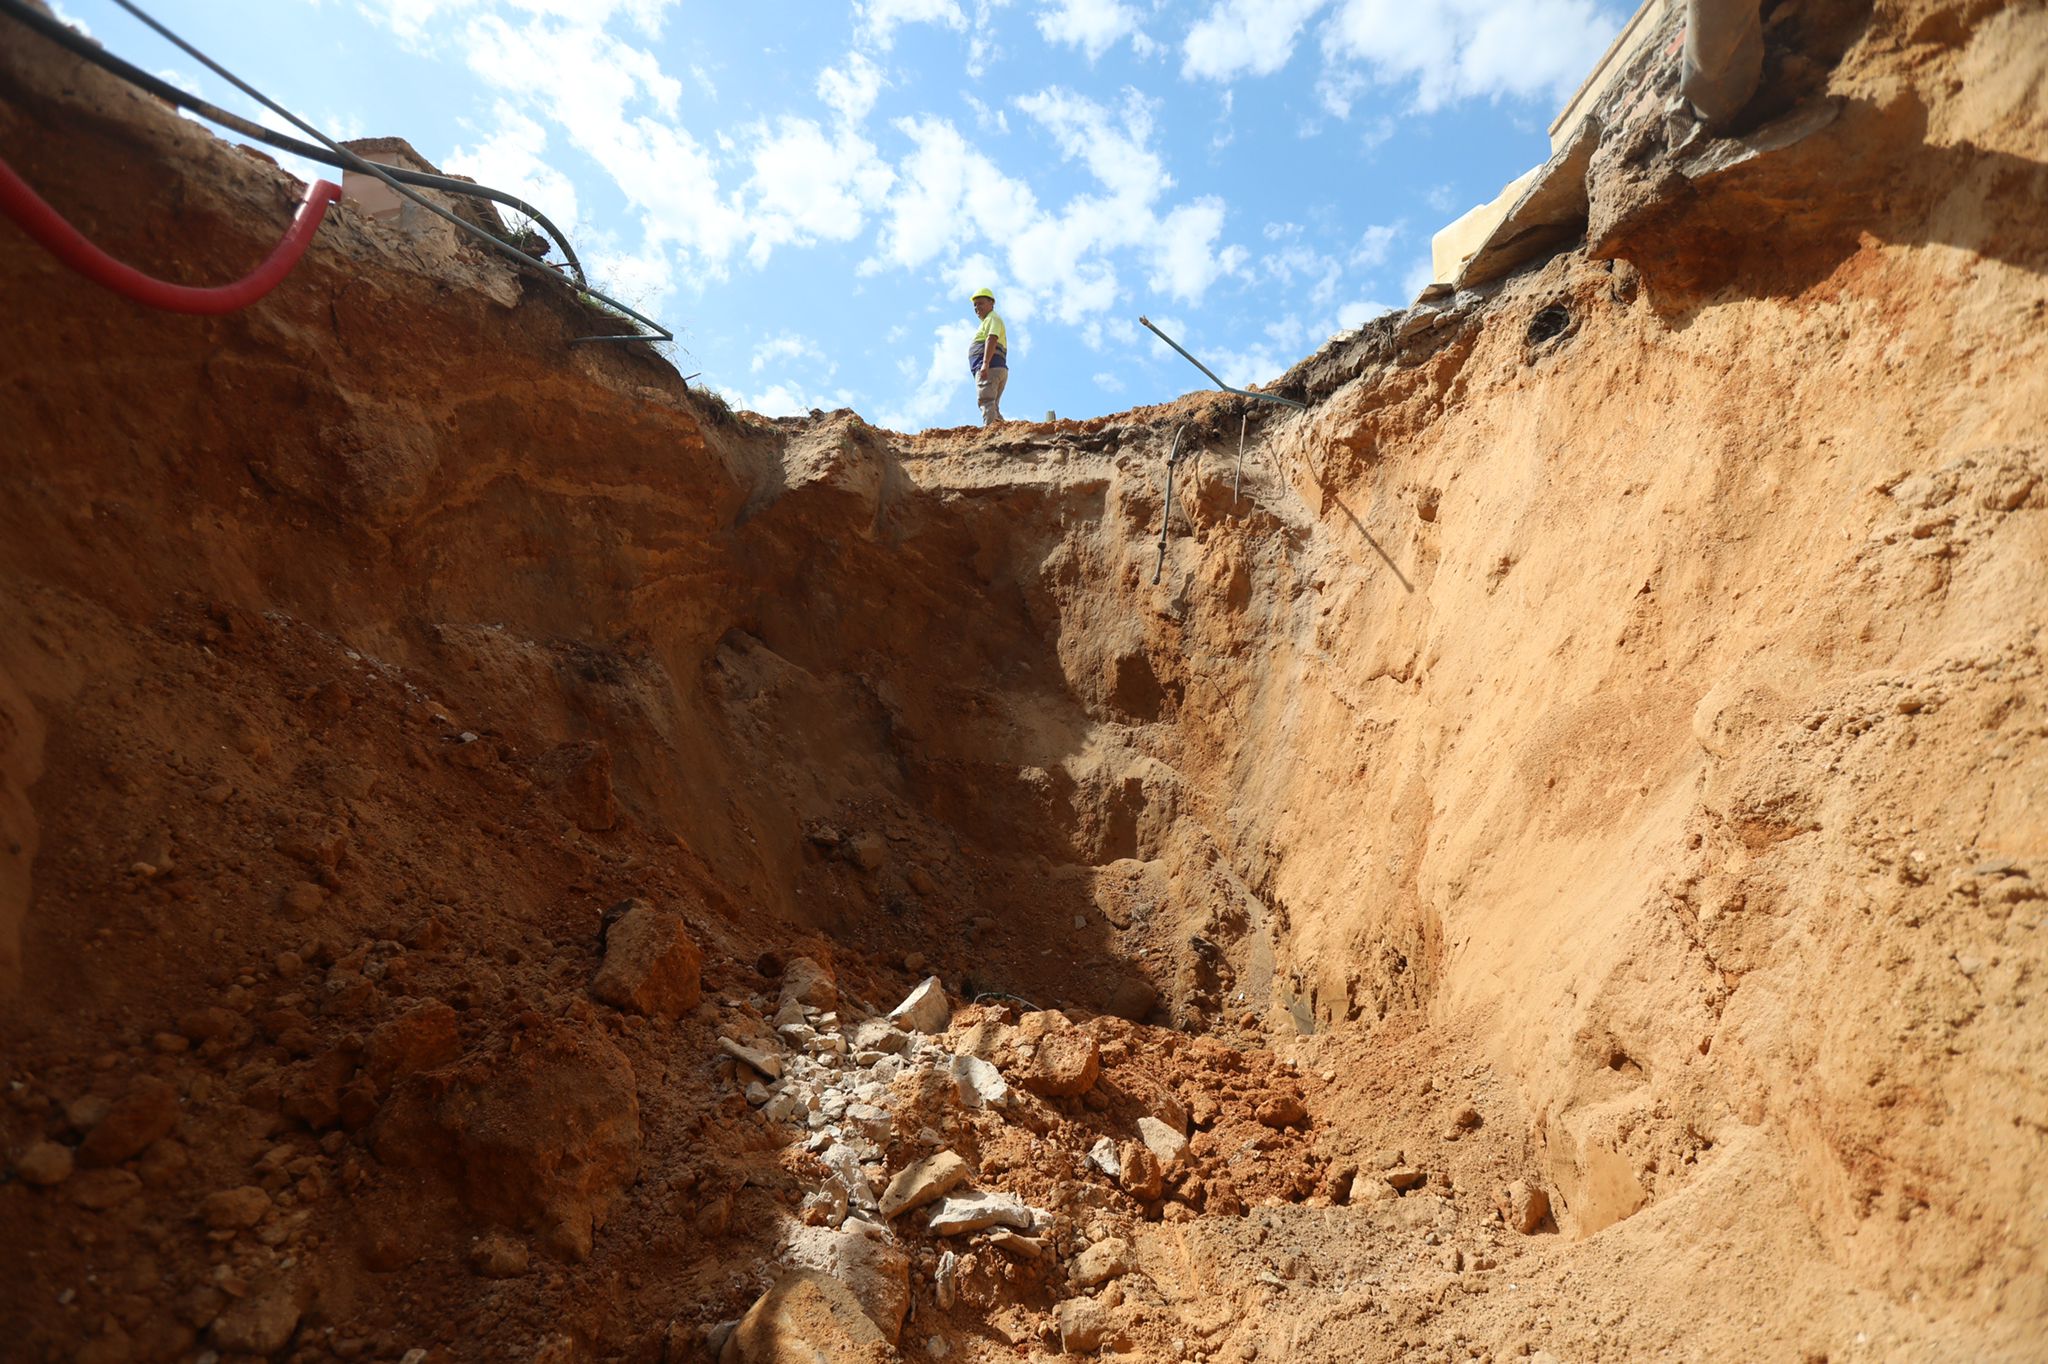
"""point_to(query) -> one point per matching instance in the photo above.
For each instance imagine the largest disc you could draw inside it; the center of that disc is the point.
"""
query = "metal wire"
(80, 46)
(354, 162)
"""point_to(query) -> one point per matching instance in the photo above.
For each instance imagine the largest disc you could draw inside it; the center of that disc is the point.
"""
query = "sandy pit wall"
(1636, 667)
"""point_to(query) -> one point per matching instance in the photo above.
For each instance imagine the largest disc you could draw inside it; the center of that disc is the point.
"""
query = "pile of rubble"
(948, 1161)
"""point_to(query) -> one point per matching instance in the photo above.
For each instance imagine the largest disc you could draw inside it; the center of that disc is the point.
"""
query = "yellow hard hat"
(986, 293)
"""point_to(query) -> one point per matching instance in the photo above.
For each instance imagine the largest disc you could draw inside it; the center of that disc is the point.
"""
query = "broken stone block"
(766, 1062)
(1162, 1141)
(925, 1010)
(1101, 1262)
(650, 965)
(1367, 1189)
(960, 1213)
(1405, 1177)
(876, 1272)
(1102, 1155)
(916, 1185)
(978, 1083)
(807, 1316)
(807, 983)
(879, 1034)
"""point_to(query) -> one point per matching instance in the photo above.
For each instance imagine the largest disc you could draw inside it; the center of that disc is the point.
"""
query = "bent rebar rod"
(1237, 479)
(1166, 511)
(1240, 392)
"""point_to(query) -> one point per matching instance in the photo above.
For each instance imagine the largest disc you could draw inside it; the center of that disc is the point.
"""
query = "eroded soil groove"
(501, 858)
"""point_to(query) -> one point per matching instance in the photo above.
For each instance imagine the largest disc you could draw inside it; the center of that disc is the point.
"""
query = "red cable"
(65, 242)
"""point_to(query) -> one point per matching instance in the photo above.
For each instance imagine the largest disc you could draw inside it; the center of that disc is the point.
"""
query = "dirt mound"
(1555, 869)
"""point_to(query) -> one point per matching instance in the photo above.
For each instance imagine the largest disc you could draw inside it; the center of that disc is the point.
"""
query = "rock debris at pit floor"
(531, 865)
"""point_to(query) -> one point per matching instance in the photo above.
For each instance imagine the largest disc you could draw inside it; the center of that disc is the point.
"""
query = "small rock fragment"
(915, 1185)
(1162, 1141)
(45, 1163)
(978, 1083)
(1523, 1207)
(650, 965)
(1140, 1174)
(234, 1209)
(499, 1256)
(925, 1010)
(960, 1213)
(146, 1111)
(766, 1062)
(804, 981)
(1083, 1325)
(1101, 1262)
(1102, 1155)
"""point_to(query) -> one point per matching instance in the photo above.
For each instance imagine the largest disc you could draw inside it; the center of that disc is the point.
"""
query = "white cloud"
(851, 90)
(1115, 152)
(944, 377)
(1094, 26)
(1185, 261)
(947, 195)
(987, 119)
(787, 346)
(1374, 244)
(1466, 49)
(1245, 37)
(1357, 314)
(1109, 381)
(808, 185)
(510, 157)
(878, 20)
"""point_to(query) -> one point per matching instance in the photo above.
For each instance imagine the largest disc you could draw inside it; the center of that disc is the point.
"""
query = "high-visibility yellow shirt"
(992, 325)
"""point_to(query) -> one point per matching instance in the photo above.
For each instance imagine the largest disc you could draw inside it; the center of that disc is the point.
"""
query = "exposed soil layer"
(1553, 868)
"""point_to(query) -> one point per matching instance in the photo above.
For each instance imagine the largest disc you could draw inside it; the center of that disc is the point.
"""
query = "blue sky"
(806, 192)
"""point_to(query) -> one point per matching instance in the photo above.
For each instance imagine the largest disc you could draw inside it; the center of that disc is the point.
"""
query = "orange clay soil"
(1555, 869)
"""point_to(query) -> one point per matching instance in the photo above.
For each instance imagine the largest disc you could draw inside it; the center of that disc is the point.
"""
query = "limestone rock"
(879, 1034)
(806, 982)
(876, 1272)
(45, 1163)
(978, 1083)
(1101, 1262)
(806, 1318)
(1405, 1177)
(1367, 1189)
(767, 1062)
(925, 1010)
(146, 1111)
(650, 965)
(1523, 1207)
(960, 1213)
(918, 1184)
(1163, 1142)
(1102, 1155)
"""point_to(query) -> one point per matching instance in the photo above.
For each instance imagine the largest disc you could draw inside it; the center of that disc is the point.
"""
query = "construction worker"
(988, 357)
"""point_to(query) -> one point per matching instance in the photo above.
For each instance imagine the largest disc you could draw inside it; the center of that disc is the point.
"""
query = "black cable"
(335, 154)
(81, 46)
